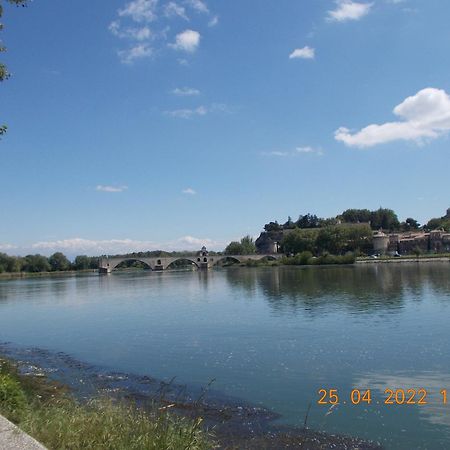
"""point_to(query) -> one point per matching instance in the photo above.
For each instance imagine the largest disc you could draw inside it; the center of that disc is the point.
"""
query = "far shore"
(359, 261)
(8, 275)
(412, 259)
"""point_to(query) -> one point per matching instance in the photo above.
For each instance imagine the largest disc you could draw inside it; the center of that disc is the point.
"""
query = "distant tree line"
(57, 262)
(382, 218)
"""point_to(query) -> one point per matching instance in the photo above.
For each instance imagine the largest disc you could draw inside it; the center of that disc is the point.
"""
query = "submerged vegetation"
(46, 412)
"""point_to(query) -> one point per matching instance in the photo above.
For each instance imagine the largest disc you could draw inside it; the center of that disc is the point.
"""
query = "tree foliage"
(245, 247)
(335, 239)
(39, 263)
(272, 226)
(298, 241)
(59, 262)
(36, 263)
(439, 223)
(4, 74)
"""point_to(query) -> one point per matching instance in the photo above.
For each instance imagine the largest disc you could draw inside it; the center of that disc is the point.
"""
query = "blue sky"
(148, 124)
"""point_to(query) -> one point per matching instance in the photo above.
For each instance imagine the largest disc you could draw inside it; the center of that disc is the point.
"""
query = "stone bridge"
(201, 260)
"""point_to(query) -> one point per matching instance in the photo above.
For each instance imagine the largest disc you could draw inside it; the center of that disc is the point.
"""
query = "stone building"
(436, 241)
(269, 243)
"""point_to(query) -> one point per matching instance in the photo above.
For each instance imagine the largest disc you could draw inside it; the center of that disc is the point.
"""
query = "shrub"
(12, 398)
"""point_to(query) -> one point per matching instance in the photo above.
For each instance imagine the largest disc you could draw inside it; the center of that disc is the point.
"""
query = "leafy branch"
(4, 74)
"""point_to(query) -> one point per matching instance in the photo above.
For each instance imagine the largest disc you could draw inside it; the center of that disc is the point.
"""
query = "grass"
(48, 413)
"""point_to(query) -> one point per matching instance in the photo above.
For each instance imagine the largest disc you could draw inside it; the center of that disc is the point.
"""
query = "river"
(269, 336)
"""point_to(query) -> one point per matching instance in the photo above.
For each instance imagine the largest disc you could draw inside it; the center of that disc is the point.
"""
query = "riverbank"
(46, 411)
(14, 275)
(403, 259)
(55, 417)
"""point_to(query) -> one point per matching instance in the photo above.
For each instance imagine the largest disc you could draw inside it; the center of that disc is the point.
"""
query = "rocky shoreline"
(236, 424)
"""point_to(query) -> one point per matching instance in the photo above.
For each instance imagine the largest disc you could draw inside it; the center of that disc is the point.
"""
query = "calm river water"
(269, 336)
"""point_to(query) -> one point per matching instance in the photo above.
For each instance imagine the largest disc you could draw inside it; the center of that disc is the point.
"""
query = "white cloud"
(5, 247)
(348, 10)
(213, 21)
(103, 188)
(425, 115)
(187, 113)
(173, 9)
(138, 34)
(296, 152)
(77, 246)
(189, 191)
(138, 51)
(318, 151)
(198, 5)
(276, 153)
(133, 19)
(304, 53)
(187, 41)
(140, 10)
(185, 92)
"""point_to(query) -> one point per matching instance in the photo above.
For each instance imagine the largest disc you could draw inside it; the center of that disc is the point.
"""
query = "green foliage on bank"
(306, 258)
(12, 398)
(381, 218)
(57, 262)
(245, 247)
(439, 223)
(333, 239)
(59, 422)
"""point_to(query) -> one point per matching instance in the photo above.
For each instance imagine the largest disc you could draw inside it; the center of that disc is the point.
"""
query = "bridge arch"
(224, 257)
(118, 263)
(268, 257)
(185, 258)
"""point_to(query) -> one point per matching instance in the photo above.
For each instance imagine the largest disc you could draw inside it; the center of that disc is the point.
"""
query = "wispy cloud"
(6, 247)
(348, 10)
(303, 53)
(77, 246)
(185, 92)
(189, 191)
(136, 33)
(187, 41)
(135, 52)
(173, 9)
(104, 188)
(213, 21)
(296, 152)
(187, 113)
(315, 150)
(147, 24)
(140, 10)
(198, 5)
(425, 115)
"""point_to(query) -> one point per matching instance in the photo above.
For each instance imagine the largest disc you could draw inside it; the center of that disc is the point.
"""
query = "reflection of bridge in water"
(202, 260)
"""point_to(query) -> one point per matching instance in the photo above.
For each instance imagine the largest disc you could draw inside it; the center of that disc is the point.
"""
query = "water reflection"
(359, 289)
(435, 411)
